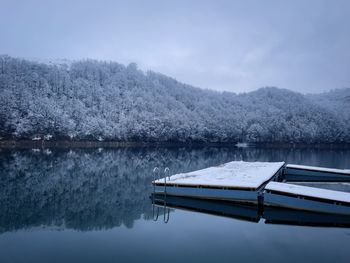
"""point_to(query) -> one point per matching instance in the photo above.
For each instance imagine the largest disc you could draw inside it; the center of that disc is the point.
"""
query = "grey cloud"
(223, 45)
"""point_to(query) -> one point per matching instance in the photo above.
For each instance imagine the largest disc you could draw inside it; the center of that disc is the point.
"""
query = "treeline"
(92, 100)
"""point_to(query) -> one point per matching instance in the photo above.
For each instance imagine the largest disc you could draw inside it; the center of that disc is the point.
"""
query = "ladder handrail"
(167, 172)
(166, 211)
(166, 214)
(155, 210)
(155, 172)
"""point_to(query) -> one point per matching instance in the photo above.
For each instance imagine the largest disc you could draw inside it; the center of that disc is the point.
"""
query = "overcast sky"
(223, 45)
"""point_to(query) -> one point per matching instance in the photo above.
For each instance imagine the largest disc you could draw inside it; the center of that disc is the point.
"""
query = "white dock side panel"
(308, 191)
(237, 174)
(318, 169)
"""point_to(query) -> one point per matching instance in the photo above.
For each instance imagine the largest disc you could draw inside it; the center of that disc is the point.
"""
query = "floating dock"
(306, 198)
(303, 173)
(235, 181)
(262, 183)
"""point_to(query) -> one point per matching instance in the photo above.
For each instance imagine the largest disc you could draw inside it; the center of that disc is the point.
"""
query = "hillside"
(92, 100)
(337, 101)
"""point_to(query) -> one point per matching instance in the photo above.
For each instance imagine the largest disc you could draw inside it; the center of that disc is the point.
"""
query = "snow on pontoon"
(236, 181)
(262, 183)
(295, 172)
(306, 198)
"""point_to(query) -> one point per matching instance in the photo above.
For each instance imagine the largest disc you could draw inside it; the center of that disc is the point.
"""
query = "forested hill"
(92, 100)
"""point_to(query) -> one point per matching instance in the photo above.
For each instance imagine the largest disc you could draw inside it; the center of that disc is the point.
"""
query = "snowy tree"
(91, 100)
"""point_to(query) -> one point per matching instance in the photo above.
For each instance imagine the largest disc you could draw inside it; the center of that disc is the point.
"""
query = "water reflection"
(101, 189)
(250, 212)
(241, 211)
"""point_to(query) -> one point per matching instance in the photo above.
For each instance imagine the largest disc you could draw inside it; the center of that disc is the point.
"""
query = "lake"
(93, 205)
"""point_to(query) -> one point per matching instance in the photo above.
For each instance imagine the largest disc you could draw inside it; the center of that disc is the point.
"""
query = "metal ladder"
(155, 209)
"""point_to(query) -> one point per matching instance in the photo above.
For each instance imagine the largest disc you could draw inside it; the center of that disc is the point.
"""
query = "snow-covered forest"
(93, 100)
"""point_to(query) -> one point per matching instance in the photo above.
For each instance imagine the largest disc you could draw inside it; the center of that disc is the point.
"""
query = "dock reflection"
(252, 213)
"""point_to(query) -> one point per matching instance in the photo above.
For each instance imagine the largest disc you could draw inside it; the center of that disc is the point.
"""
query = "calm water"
(94, 206)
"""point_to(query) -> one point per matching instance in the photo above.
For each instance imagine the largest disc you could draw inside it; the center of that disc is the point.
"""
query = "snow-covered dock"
(300, 197)
(238, 180)
(262, 183)
(302, 173)
(237, 175)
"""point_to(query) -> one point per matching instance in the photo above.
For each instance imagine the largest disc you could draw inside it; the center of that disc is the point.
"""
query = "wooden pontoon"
(303, 173)
(307, 198)
(262, 183)
(236, 181)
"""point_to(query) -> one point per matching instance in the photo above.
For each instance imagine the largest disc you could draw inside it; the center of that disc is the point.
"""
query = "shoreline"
(65, 144)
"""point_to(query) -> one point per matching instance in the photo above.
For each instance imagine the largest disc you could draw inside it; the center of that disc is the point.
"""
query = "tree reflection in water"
(89, 189)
